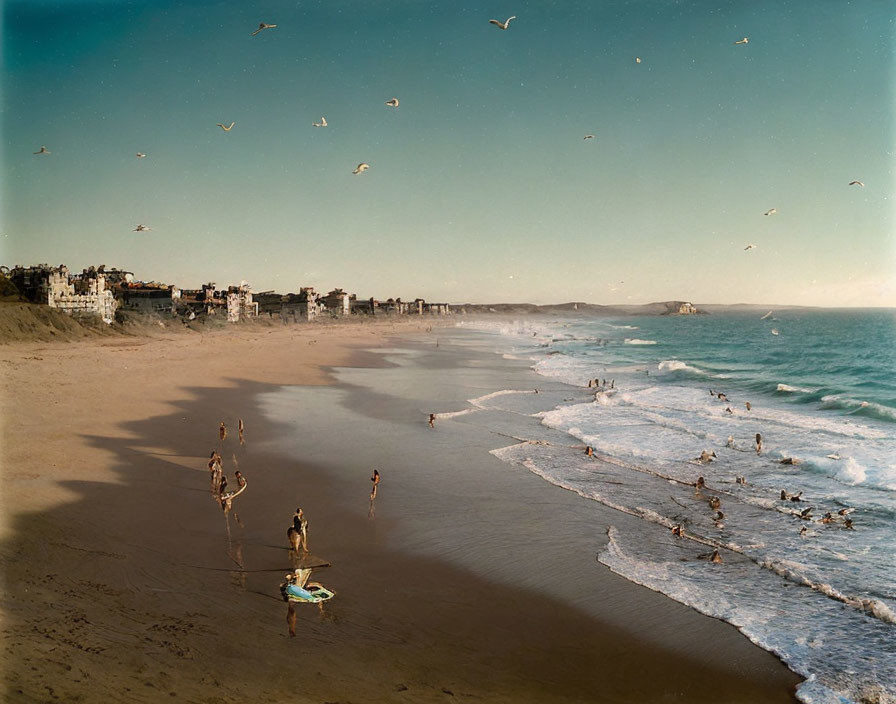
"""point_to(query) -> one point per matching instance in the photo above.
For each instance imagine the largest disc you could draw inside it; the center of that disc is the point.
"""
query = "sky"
(481, 186)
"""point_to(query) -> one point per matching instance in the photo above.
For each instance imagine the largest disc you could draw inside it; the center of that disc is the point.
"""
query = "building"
(83, 295)
(337, 302)
(143, 297)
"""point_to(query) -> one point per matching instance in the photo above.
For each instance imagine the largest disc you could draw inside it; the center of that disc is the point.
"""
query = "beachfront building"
(83, 295)
(363, 306)
(309, 304)
(239, 303)
(337, 302)
(147, 297)
(436, 308)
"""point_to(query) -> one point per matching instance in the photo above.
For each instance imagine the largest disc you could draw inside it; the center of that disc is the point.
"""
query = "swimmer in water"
(701, 483)
(758, 443)
(714, 502)
(706, 457)
(783, 495)
(589, 451)
(678, 530)
(804, 530)
(749, 407)
(715, 557)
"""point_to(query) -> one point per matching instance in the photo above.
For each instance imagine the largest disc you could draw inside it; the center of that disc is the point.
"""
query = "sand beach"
(464, 579)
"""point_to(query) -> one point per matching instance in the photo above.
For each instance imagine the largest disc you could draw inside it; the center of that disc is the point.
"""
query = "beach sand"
(124, 579)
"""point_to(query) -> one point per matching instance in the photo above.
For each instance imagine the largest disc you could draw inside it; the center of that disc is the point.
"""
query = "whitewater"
(803, 517)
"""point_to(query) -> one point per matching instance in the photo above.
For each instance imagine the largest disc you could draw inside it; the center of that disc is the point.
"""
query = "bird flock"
(394, 103)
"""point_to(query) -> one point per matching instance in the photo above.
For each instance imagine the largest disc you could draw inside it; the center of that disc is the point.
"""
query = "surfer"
(715, 557)
(796, 497)
(806, 513)
(804, 530)
(719, 516)
(848, 524)
(728, 410)
(740, 480)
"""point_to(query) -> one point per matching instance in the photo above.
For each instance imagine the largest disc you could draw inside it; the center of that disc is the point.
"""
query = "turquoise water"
(821, 389)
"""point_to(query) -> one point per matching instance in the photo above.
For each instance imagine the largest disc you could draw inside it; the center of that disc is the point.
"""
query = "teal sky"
(481, 186)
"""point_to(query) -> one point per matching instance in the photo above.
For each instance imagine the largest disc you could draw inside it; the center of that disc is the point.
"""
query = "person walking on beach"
(222, 431)
(432, 420)
(300, 523)
(241, 431)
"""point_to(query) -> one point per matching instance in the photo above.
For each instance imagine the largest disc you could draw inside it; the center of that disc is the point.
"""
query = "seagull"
(745, 40)
(361, 168)
(502, 25)
(322, 123)
(771, 212)
(749, 246)
(775, 331)
(141, 228)
(851, 183)
(43, 150)
(637, 59)
(261, 26)
(392, 103)
(588, 136)
(225, 128)
(140, 155)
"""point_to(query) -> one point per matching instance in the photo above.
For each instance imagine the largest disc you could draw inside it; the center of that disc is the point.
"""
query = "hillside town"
(100, 292)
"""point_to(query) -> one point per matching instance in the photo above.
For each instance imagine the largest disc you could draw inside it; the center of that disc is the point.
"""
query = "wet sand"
(122, 577)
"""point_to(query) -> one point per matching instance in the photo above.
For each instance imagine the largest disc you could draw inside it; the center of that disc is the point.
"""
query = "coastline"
(120, 578)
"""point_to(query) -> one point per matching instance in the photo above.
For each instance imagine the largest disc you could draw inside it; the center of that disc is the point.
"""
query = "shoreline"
(121, 576)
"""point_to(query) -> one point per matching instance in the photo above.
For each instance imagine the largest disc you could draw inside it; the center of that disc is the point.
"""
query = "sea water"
(821, 386)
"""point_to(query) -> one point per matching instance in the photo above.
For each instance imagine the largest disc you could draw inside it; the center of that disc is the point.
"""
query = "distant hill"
(588, 310)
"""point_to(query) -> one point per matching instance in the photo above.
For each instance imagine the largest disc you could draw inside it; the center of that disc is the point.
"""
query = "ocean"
(811, 576)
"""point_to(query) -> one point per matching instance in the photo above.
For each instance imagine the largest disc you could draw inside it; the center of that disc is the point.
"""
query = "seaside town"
(100, 292)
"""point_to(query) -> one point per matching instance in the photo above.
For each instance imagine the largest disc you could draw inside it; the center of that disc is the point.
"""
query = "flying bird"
(140, 155)
(504, 24)
(771, 212)
(261, 26)
(745, 40)
(322, 123)
(588, 136)
(851, 183)
(749, 246)
(141, 228)
(361, 168)
(392, 103)
(43, 150)
(225, 128)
